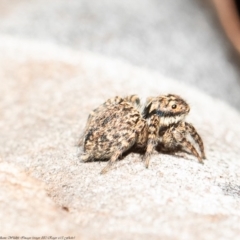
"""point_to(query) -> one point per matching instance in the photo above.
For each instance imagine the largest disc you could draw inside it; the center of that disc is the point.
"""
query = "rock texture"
(46, 93)
(25, 208)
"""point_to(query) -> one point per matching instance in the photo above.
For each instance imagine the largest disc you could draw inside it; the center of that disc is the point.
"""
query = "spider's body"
(117, 125)
(113, 128)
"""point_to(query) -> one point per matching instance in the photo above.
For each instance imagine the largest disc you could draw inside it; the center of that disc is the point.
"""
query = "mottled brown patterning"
(112, 129)
(179, 136)
(118, 124)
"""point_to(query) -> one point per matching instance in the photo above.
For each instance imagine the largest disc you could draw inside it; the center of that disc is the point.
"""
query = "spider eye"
(174, 106)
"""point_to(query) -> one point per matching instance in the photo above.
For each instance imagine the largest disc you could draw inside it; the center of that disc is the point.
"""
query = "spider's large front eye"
(174, 106)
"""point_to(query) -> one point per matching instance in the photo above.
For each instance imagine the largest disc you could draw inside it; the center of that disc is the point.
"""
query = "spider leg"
(124, 146)
(81, 140)
(85, 157)
(142, 133)
(114, 100)
(192, 131)
(186, 144)
(83, 134)
(176, 136)
(113, 159)
(152, 137)
(134, 100)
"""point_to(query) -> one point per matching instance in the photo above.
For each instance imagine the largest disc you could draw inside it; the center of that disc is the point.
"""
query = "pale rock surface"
(25, 208)
(46, 93)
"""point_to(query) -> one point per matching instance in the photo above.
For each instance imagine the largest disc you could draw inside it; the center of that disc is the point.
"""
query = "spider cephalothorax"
(170, 108)
(118, 124)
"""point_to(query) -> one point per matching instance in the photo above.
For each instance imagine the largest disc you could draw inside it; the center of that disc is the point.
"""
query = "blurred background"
(181, 39)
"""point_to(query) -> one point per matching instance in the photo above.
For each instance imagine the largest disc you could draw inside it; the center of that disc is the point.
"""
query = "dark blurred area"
(237, 2)
(181, 39)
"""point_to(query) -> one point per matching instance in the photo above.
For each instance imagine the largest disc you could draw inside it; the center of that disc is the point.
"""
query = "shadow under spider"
(141, 151)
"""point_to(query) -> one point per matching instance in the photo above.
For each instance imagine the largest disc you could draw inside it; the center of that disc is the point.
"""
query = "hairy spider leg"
(196, 138)
(153, 129)
(125, 145)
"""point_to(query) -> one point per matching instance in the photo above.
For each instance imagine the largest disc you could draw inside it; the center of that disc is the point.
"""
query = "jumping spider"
(119, 124)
